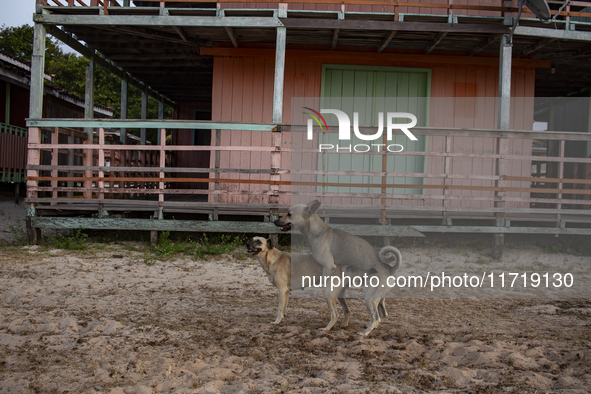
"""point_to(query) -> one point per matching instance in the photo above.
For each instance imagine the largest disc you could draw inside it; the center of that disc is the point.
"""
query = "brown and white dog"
(288, 272)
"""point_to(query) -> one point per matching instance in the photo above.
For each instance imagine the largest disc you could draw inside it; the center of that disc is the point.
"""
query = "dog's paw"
(344, 325)
(277, 321)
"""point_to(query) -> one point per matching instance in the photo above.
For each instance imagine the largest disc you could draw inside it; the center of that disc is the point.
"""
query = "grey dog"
(331, 247)
(287, 272)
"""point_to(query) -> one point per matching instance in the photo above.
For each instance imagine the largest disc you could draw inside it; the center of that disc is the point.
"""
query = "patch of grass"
(216, 244)
(167, 247)
(220, 244)
(18, 234)
(76, 240)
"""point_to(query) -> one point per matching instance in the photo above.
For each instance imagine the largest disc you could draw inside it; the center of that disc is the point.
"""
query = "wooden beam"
(157, 20)
(335, 38)
(387, 40)
(89, 95)
(435, 42)
(538, 45)
(151, 124)
(37, 72)
(373, 25)
(144, 115)
(369, 56)
(124, 102)
(208, 226)
(484, 43)
(279, 74)
(180, 33)
(504, 84)
(232, 36)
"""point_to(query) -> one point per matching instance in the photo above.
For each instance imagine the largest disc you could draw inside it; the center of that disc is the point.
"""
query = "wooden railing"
(141, 184)
(427, 6)
(13, 153)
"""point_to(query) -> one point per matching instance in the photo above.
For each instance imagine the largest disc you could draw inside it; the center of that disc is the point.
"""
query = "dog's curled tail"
(391, 256)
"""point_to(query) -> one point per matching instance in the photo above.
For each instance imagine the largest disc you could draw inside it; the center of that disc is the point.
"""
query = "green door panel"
(386, 89)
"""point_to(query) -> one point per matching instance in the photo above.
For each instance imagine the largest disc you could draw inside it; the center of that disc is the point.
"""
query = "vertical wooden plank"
(162, 165)
(227, 110)
(279, 74)
(286, 136)
(236, 137)
(216, 114)
(278, 87)
(124, 96)
(37, 72)
(54, 162)
(267, 138)
(101, 174)
(35, 112)
(256, 115)
(144, 113)
(89, 95)
(435, 165)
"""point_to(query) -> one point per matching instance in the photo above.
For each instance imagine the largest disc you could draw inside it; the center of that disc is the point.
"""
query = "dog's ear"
(312, 207)
(269, 243)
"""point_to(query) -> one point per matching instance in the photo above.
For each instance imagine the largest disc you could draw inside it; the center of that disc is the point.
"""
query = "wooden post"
(386, 240)
(17, 192)
(144, 115)
(162, 164)
(560, 176)
(446, 221)
(502, 143)
(101, 174)
(54, 161)
(35, 112)
(277, 113)
(89, 114)
(216, 174)
(70, 163)
(124, 93)
(161, 116)
(7, 104)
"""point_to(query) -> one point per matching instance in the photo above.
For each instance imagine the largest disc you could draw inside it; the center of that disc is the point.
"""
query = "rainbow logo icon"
(316, 117)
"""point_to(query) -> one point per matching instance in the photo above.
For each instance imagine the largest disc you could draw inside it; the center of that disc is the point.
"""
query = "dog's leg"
(334, 314)
(382, 306)
(283, 297)
(372, 301)
(346, 310)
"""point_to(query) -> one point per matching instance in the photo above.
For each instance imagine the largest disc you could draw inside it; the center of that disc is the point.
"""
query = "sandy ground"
(102, 320)
(11, 214)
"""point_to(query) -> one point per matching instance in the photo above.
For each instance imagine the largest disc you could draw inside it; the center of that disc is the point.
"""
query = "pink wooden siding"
(243, 92)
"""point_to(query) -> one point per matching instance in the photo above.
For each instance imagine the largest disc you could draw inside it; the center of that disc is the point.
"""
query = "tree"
(18, 42)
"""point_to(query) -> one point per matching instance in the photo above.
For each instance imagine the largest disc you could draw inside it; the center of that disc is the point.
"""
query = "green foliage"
(68, 71)
(18, 234)
(166, 247)
(18, 42)
(222, 245)
(76, 240)
(213, 245)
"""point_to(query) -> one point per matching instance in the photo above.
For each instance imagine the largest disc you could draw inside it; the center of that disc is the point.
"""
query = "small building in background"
(14, 109)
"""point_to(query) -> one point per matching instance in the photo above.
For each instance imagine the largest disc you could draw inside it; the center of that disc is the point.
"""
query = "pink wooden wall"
(243, 92)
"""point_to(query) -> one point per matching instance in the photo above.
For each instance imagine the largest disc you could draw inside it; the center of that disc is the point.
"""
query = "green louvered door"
(386, 89)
